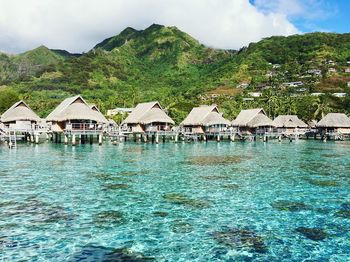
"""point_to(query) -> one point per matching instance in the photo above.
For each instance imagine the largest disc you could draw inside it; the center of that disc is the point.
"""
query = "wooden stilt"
(74, 140)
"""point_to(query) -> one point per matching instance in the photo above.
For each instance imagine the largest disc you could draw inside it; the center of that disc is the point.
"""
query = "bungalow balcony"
(217, 129)
(157, 128)
(291, 130)
(244, 131)
(23, 127)
(264, 131)
(334, 131)
(84, 128)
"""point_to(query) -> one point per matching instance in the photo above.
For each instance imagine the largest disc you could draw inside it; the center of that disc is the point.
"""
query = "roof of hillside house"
(289, 121)
(20, 111)
(205, 116)
(252, 118)
(334, 120)
(145, 113)
(75, 108)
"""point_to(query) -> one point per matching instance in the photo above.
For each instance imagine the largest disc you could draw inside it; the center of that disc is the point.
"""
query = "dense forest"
(299, 74)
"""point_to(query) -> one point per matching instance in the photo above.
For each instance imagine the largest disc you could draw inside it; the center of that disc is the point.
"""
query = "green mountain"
(166, 64)
(31, 63)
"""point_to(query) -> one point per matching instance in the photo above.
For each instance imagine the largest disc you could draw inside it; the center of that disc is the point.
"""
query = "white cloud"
(77, 25)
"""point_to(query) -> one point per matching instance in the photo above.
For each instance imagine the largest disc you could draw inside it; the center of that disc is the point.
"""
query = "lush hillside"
(166, 64)
(31, 63)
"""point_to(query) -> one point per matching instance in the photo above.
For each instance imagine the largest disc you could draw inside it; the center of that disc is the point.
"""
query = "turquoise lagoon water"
(176, 202)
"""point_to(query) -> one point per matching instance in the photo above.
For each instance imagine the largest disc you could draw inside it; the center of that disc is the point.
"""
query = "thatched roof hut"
(205, 116)
(20, 111)
(334, 120)
(252, 118)
(289, 121)
(147, 113)
(75, 108)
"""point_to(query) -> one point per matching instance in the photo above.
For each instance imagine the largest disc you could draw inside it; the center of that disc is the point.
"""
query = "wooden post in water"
(65, 139)
(74, 140)
(157, 138)
(100, 137)
(145, 138)
(37, 139)
(232, 137)
(265, 138)
(32, 138)
(176, 137)
(279, 138)
(218, 138)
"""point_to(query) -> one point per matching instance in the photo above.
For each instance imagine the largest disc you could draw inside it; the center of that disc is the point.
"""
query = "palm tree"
(322, 107)
(270, 98)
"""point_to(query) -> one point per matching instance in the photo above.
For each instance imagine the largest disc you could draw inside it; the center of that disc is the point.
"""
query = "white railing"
(84, 128)
(161, 128)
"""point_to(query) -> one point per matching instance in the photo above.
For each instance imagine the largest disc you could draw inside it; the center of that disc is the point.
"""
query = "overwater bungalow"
(20, 118)
(74, 114)
(290, 125)
(204, 120)
(75, 117)
(252, 122)
(148, 118)
(334, 124)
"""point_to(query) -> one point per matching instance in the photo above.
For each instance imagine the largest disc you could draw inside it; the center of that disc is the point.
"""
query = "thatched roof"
(20, 111)
(205, 116)
(292, 121)
(252, 118)
(74, 108)
(334, 120)
(145, 113)
(98, 113)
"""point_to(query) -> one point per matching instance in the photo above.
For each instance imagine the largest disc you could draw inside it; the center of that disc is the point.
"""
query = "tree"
(322, 107)
(7, 98)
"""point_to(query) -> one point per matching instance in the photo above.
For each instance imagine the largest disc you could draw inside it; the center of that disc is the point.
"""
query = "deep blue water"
(249, 201)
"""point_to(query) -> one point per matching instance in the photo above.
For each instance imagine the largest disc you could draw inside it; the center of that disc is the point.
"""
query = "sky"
(78, 25)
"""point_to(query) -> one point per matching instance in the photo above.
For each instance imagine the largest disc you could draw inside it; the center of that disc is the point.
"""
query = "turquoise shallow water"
(176, 202)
